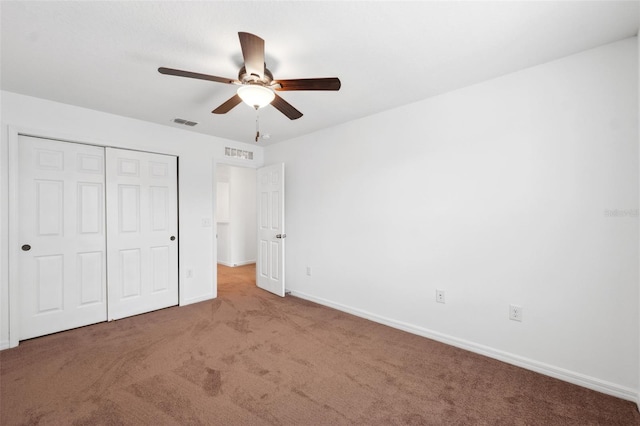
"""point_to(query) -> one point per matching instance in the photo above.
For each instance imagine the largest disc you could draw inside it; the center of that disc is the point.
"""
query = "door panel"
(90, 273)
(143, 259)
(49, 207)
(90, 208)
(49, 283)
(130, 273)
(62, 275)
(270, 268)
(159, 208)
(275, 261)
(161, 259)
(128, 208)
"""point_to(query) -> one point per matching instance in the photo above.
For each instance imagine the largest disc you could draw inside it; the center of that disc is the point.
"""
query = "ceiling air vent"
(238, 153)
(185, 122)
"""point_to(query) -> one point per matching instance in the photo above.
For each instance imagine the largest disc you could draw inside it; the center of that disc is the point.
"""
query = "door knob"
(173, 238)
(26, 247)
(281, 236)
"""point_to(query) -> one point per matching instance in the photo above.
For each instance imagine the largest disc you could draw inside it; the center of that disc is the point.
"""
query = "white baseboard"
(242, 263)
(530, 364)
(197, 299)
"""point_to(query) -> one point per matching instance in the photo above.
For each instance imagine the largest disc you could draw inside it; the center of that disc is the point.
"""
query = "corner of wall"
(638, 124)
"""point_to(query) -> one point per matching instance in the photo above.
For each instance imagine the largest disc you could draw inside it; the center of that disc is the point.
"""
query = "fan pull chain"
(257, 125)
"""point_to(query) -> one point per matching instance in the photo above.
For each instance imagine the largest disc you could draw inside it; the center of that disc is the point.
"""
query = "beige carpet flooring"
(251, 358)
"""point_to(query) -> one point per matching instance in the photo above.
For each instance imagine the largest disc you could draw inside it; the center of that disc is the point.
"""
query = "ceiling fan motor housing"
(246, 78)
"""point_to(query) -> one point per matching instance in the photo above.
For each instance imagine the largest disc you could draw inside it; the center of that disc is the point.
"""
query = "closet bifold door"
(61, 229)
(142, 239)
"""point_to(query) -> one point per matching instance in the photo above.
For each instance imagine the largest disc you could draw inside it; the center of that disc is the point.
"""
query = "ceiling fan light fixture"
(256, 96)
(257, 86)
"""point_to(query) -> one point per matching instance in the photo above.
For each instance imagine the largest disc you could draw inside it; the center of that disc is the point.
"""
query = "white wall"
(197, 155)
(237, 236)
(522, 189)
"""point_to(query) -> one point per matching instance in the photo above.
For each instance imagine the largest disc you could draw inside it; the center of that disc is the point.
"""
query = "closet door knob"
(26, 247)
(173, 238)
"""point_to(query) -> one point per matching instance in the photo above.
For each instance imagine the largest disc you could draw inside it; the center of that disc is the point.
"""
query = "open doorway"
(236, 220)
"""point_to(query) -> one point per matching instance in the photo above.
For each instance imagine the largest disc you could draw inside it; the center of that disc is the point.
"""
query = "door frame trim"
(13, 236)
(14, 133)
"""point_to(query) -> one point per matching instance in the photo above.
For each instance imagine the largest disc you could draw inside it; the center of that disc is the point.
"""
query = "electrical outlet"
(515, 312)
(439, 296)
(309, 270)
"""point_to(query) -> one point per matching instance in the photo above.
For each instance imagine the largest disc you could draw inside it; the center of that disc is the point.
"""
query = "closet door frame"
(13, 245)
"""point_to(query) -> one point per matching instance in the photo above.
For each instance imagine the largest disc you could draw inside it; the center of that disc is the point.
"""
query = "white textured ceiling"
(105, 55)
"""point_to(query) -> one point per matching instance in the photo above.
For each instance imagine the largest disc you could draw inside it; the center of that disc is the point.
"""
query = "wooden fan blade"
(332, 83)
(253, 53)
(228, 105)
(189, 74)
(286, 108)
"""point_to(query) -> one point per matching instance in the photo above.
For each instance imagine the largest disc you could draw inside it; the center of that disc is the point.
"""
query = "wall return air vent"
(238, 153)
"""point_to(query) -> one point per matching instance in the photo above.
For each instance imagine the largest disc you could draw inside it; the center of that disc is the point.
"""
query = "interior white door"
(271, 232)
(61, 264)
(142, 244)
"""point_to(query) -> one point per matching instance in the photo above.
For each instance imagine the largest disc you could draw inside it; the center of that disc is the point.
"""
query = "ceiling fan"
(257, 85)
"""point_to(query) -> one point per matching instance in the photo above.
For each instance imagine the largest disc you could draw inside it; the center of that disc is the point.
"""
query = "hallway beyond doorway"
(245, 274)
